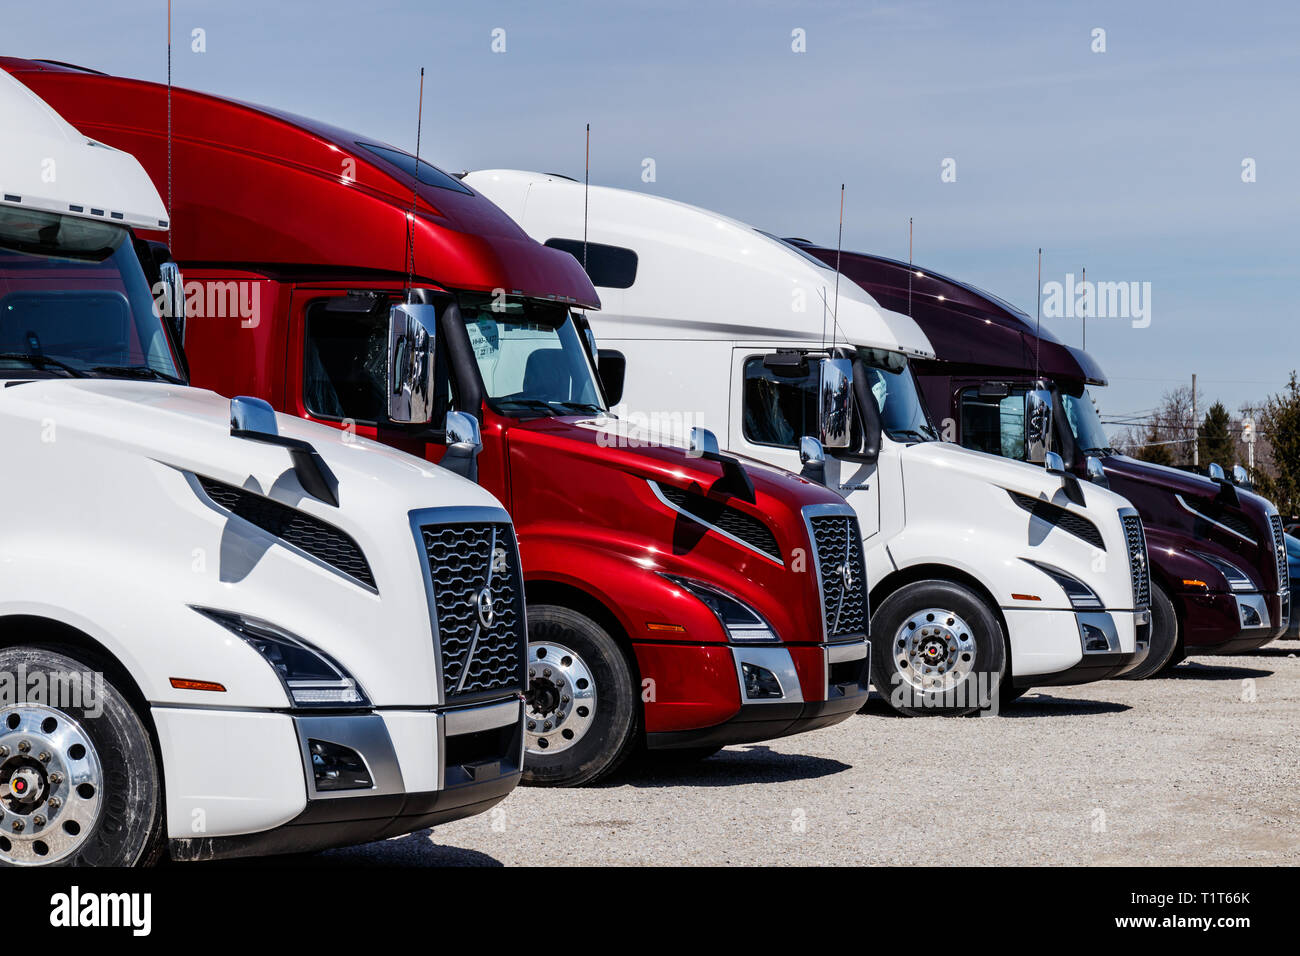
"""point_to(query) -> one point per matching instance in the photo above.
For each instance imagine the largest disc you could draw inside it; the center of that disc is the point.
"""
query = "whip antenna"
(170, 211)
(910, 270)
(415, 193)
(1038, 297)
(586, 188)
(839, 244)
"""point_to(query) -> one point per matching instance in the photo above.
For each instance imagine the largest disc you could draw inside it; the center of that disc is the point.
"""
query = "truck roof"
(720, 276)
(967, 325)
(47, 164)
(254, 186)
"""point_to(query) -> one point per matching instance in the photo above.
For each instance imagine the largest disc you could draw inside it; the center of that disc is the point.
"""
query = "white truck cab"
(987, 576)
(222, 631)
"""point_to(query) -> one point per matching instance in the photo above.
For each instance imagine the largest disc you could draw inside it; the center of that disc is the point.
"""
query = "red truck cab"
(676, 598)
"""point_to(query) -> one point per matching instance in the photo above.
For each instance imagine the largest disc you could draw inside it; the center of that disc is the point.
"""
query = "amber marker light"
(1195, 583)
(184, 683)
(1025, 597)
(673, 628)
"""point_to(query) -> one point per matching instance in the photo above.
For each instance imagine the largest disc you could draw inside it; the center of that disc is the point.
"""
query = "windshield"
(75, 302)
(1088, 432)
(531, 357)
(902, 413)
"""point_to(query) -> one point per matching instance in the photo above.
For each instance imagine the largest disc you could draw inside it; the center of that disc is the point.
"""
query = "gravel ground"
(1197, 768)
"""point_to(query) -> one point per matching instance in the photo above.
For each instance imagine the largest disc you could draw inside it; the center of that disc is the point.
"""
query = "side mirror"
(411, 344)
(1240, 476)
(1038, 425)
(1055, 465)
(704, 444)
(252, 416)
(1096, 473)
(464, 442)
(612, 367)
(813, 457)
(1216, 471)
(169, 273)
(835, 403)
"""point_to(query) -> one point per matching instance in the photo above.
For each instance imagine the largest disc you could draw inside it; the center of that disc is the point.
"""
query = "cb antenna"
(910, 270)
(170, 212)
(415, 194)
(839, 244)
(586, 188)
(1038, 298)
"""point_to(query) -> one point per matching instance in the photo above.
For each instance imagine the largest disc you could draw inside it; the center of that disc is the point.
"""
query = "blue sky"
(1127, 162)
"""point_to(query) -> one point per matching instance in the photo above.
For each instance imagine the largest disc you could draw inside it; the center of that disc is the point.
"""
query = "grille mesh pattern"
(1279, 549)
(844, 597)
(1137, 560)
(731, 520)
(464, 559)
(1062, 518)
(321, 540)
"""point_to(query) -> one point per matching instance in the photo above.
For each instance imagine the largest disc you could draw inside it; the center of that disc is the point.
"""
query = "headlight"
(1238, 580)
(310, 677)
(742, 623)
(1082, 597)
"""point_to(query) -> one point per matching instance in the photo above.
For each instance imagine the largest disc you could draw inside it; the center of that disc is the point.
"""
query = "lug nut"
(44, 756)
(4, 751)
(56, 778)
(24, 747)
(38, 820)
(18, 826)
(54, 803)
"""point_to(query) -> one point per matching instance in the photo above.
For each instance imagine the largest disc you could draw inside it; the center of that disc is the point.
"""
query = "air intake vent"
(1062, 518)
(1279, 550)
(1138, 563)
(322, 541)
(842, 575)
(478, 594)
(721, 517)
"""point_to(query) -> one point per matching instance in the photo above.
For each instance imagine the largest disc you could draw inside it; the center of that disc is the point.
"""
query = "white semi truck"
(222, 631)
(987, 576)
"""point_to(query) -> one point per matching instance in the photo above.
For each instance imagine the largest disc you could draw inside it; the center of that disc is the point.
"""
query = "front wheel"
(79, 783)
(937, 650)
(581, 709)
(1164, 638)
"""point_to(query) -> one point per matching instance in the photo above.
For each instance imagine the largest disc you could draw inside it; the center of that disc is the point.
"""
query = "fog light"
(1094, 639)
(337, 767)
(1249, 616)
(760, 683)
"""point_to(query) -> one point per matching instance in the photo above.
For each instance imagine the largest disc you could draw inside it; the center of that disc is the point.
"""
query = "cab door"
(772, 408)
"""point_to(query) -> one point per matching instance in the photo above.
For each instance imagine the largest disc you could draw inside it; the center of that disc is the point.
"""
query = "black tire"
(1164, 638)
(609, 738)
(987, 667)
(127, 828)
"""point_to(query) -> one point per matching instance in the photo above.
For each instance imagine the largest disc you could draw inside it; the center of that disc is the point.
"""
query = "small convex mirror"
(411, 343)
(835, 402)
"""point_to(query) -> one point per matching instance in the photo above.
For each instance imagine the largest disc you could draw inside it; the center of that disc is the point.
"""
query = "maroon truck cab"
(676, 600)
(1217, 550)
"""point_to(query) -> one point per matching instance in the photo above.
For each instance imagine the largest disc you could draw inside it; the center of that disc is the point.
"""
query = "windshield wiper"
(1100, 451)
(42, 362)
(137, 371)
(919, 435)
(582, 407)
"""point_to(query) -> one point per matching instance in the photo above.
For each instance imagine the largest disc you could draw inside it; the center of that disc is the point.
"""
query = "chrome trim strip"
(774, 659)
(367, 734)
(470, 720)
(852, 651)
(654, 486)
(1218, 524)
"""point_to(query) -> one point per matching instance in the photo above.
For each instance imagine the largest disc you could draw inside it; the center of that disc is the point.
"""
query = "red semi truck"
(683, 599)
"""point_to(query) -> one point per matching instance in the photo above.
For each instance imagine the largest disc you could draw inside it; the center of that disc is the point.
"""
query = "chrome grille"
(1279, 550)
(841, 575)
(471, 565)
(1138, 561)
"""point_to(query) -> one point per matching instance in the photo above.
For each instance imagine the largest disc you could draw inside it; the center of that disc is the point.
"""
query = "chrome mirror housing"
(1054, 463)
(1038, 425)
(1215, 471)
(1096, 473)
(411, 343)
(464, 442)
(174, 297)
(252, 416)
(812, 455)
(835, 402)
(1239, 476)
(704, 443)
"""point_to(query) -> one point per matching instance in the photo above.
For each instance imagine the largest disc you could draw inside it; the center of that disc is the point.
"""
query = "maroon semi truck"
(1218, 558)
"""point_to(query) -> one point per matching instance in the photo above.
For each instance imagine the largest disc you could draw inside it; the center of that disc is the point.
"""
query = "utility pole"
(1196, 445)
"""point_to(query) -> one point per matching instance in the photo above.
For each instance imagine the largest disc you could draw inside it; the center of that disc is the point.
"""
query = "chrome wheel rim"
(51, 785)
(934, 650)
(561, 700)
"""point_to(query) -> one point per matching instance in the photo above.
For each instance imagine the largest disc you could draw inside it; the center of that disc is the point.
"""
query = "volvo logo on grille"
(846, 575)
(486, 613)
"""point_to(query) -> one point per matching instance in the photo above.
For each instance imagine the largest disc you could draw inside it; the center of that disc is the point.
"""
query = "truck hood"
(1018, 476)
(189, 429)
